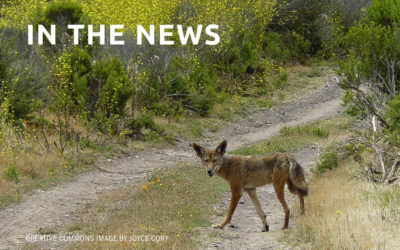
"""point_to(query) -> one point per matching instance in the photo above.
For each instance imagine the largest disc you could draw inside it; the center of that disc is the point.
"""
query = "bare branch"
(363, 98)
(378, 149)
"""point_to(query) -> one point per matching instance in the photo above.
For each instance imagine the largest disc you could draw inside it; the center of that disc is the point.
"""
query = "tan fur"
(246, 173)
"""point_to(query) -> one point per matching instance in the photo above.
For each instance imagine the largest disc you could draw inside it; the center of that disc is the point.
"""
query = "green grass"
(299, 136)
(328, 161)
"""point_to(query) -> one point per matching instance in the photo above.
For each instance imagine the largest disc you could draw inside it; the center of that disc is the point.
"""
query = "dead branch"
(387, 174)
(393, 172)
(378, 149)
(362, 97)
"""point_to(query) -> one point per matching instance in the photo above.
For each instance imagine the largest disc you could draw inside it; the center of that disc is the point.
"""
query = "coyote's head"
(212, 159)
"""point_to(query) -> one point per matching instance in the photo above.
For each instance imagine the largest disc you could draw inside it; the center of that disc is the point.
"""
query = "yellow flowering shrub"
(19, 13)
(226, 13)
(130, 12)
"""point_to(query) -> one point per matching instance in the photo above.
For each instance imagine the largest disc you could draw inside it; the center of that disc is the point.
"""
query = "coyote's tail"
(297, 177)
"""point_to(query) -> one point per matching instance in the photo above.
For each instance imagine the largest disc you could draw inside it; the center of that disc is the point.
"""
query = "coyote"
(249, 172)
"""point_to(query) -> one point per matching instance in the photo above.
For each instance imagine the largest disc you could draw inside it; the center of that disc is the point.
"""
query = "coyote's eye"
(215, 160)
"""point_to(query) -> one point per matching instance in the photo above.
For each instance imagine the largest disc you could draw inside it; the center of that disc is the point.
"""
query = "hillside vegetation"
(62, 104)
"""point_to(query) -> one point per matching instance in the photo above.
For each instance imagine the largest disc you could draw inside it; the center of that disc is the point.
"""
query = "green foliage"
(353, 105)
(111, 78)
(3, 70)
(393, 116)
(373, 56)
(287, 47)
(105, 87)
(301, 27)
(374, 40)
(240, 56)
(11, 174)
(142, 126)
(369, 41)
(61, 13)
(70, 82)
(384, 12)
(312, 129)
(354, 149)
(327, 162)
(97, 92)
(21, 74)
(186, 84)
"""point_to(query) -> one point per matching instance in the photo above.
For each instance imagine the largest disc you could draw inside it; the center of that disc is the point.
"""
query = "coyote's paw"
(265, 228)
(218, 226)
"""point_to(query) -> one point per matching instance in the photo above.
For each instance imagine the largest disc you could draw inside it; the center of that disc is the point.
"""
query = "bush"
(12, 174)
(61, 13)
(3, 70)
(373, 60)
(71, 82)
(23, 77)
(350, 11)
(111, 87)
(143, 121)
(95, 92)
(187, 84)
(328, 161)
(393, 118)
(296, 20)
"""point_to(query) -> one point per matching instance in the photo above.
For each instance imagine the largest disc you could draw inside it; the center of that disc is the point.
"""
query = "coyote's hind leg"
(253, 196)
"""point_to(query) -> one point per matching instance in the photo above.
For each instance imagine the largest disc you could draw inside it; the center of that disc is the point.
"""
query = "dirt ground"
(58, 206)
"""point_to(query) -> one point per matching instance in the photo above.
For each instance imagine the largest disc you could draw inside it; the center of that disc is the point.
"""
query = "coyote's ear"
(221, 149)
(199, 149)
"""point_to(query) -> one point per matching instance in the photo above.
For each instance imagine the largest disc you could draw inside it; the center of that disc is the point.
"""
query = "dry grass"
(25, 164)
(347, 213)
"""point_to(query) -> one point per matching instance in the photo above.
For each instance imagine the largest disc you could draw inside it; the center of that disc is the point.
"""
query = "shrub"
(23, 77)
(373, 60)
(95, 92)
(187, 84)
(71, 82)
(3, 70)
(61, 13)
(12, 174)
(143, 121)
(393, 118)
(301, 24)
(350, 10)
(111, 79)
(328, 161)
(17, 14)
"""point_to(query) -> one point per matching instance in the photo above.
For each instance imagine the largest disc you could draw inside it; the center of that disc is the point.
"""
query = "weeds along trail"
(57, 206)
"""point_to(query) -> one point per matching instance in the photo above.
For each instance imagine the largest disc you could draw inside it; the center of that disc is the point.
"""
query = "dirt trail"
(56, 207)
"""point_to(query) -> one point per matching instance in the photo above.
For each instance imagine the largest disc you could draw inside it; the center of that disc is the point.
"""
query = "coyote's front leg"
(236, 194)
